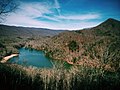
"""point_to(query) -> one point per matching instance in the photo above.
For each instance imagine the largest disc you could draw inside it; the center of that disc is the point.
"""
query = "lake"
(31, 57)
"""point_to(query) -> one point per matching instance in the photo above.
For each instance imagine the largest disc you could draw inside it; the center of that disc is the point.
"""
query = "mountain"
(26, 31)
(109, 27)
(95, 47)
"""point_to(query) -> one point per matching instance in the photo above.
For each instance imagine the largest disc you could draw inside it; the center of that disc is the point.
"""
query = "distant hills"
(27, 31)
(105, 28)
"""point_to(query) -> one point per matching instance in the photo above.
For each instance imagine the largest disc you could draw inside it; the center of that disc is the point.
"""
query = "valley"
(94, 47)
(92, 56)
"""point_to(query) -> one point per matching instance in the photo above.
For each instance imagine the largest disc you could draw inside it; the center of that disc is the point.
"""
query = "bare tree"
(7, 6)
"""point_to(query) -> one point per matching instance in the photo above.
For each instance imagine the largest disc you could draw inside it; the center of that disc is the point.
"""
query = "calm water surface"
(32, 57)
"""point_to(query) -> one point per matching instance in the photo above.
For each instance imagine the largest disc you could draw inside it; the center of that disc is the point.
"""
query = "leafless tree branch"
(6, 7)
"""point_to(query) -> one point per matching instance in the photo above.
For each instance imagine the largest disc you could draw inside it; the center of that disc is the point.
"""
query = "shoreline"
(5, 59)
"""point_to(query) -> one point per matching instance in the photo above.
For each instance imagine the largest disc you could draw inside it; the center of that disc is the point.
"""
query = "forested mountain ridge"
(96, 47)
(27, 31)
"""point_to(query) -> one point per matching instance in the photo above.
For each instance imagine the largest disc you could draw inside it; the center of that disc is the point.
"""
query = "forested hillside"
(96, 47)
(12, 37)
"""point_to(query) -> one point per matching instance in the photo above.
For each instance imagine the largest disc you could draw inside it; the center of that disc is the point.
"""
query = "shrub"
(73, 46)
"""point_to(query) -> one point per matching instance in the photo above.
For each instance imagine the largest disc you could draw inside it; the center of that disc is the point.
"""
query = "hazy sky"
(64, 14)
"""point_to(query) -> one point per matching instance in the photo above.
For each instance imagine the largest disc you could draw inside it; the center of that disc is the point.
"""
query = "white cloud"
(24, 21)
(35, 9)
(80, 17)
(57, 6)
(72, 26)
(21, 20)
(52, 18)
(29, 12)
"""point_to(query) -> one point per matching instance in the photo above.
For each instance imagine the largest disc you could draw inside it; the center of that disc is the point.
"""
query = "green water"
(28, 57)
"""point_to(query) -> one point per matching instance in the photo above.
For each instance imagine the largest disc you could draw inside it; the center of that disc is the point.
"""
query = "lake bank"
(32, 57)
(5, 59)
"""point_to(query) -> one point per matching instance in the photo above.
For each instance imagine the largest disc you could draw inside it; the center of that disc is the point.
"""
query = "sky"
(63, 14)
